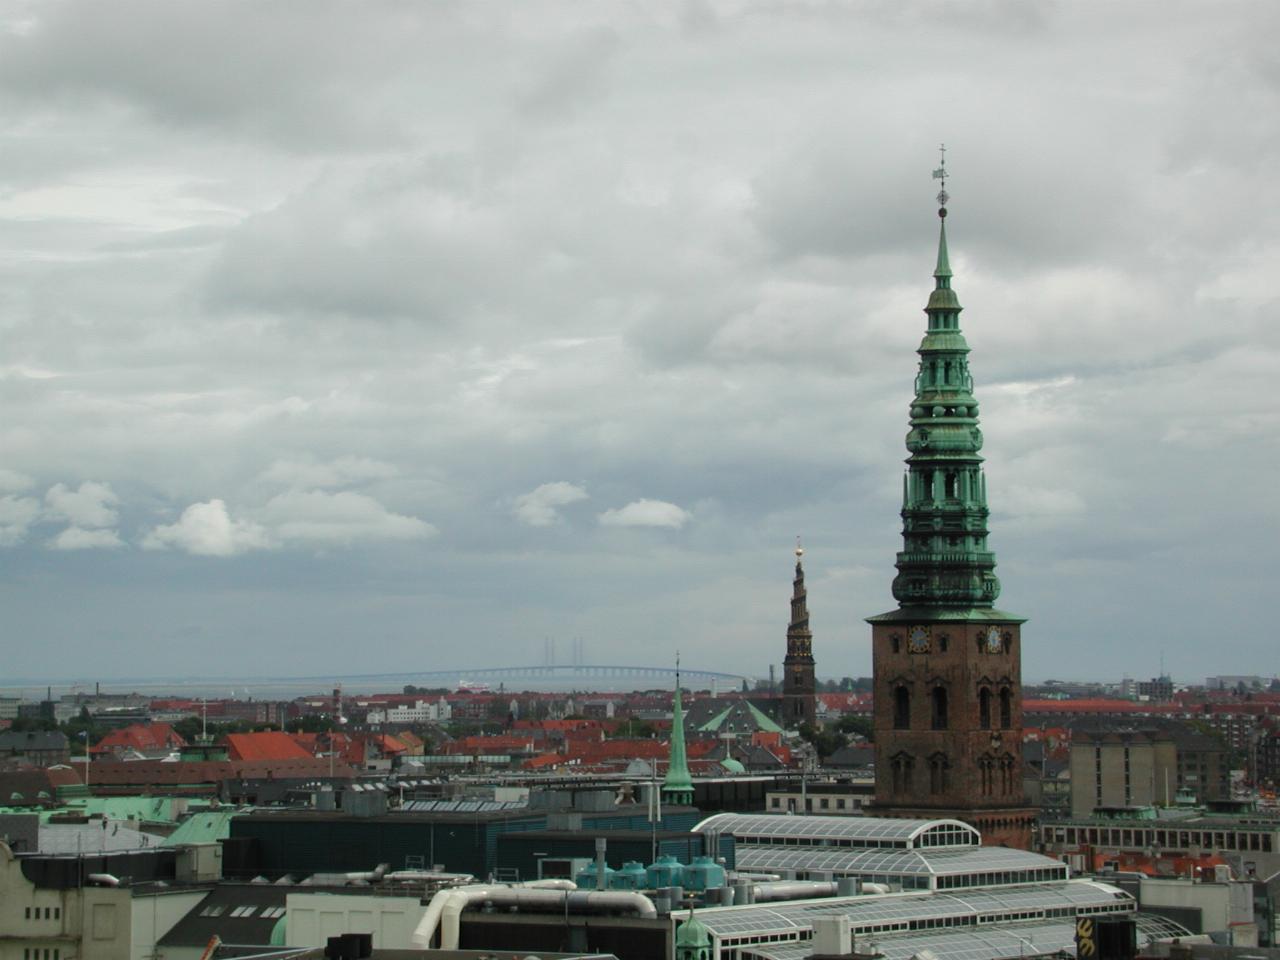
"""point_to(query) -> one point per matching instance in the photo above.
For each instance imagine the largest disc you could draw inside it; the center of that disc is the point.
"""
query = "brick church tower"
(799, 686)
(946, 663)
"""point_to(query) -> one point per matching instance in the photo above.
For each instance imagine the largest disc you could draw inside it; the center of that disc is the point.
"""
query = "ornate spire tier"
(945, 560)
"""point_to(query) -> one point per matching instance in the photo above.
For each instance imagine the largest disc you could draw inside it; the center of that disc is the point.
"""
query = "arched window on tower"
(1006, 708)
(984, 708)
(950, 485)
(901, 707)
(902, 765)
(938, 700)
(1008, 774)
(986, 769)
(939, 773)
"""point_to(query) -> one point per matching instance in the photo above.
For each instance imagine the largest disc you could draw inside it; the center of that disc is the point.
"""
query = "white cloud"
(16, 516)
(92, 506)
(646, 513)
(310, 474)
(78, 538)
(537, 508)
(11, 481)
(346, 517)
(206, 529)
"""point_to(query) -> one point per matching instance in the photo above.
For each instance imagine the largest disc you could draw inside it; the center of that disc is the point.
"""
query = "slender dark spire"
(799, 684)
(799, 638)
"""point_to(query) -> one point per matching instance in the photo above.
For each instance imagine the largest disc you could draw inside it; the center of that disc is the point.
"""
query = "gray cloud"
(540, 506)
(329, 296)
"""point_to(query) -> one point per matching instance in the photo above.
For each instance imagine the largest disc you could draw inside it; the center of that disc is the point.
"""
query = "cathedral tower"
(946, 663)
(799, 700)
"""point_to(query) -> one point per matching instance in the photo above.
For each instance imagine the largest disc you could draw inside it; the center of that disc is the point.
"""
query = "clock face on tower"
(918, 639)
(995, 642)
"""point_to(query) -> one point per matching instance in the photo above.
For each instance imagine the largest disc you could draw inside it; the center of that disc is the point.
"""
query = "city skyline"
(418, 334)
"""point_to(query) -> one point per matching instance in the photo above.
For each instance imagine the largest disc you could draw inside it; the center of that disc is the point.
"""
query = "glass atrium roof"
(894, 861)
(866, 831)
(1072, 895)
(975, 943)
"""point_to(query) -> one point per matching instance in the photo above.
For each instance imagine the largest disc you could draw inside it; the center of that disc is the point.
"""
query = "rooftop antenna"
(941, 174)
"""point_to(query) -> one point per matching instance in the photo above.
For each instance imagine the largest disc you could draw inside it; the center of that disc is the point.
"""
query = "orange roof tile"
(265, 745)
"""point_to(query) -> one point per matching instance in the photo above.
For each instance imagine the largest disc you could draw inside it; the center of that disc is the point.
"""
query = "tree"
(634, 729)
(825, 742)
(311, 723)
(852, 723)
(28, 724)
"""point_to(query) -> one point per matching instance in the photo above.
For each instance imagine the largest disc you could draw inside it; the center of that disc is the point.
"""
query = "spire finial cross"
(941, 174)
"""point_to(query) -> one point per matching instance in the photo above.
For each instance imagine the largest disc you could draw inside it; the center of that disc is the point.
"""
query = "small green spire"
(677, 787)
(693, 940)
(943, 269)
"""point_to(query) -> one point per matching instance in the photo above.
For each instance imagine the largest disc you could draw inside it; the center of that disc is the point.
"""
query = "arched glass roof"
(1069, 896)
(858, 831)
(977, 943)
(897, 862)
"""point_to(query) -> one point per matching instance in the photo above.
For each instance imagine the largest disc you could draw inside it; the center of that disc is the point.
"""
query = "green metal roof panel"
(712, 725)
(207, 827)
(916, 614)
(762, 719)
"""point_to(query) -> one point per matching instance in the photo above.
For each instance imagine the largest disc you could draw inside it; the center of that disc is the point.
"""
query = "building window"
(1008, 774)
(986, 768)
(939, 711)
(939, 779)
(1006, 708)
(902, 767)
(57, 913)
(901, 707)
(984, 708)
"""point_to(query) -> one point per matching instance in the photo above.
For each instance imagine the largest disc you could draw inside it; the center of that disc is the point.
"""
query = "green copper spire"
(943, 269)
(677, 788)
(945, 561)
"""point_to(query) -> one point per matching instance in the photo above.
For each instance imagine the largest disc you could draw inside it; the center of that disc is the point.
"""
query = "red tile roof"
(265, 745)
(143, 737)
(203, 776)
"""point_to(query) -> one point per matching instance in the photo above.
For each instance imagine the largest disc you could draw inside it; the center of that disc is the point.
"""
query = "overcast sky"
(355, 338)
